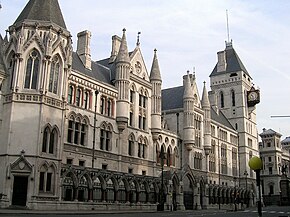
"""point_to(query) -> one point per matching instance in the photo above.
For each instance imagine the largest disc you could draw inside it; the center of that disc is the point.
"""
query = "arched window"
(222, 100)
(233, 98)
(46, 179)
(50, 139)
(168, 157)
(32, 70)
(105, 138)
(131, 146)
(54, 75)
(86, 100)
(141, 148)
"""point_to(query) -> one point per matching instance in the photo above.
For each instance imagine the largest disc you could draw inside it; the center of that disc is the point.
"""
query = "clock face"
(253, 96)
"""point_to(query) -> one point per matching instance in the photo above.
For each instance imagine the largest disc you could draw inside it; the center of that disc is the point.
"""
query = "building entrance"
(19, 196)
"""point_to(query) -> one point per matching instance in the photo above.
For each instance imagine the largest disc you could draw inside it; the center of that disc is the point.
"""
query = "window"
(70, 94)
(270, 159)
(46, 176)
(105, 138)
(270, 171)
(104, 166)
(143, 173)
(86, 100)
(131, 146)
(250, 142)
(106, 106)
(131, 119)
(222, 100)
(32, 70)
(130, 170)
(233, 98)
(78, 97)
(69, 161)
(54, 75)
(50, 138)
(132, 96)
(197, 160)
(77, 131)
(81, 163)
(141, 148)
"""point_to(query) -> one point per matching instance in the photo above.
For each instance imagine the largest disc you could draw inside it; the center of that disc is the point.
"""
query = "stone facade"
(83, 134)
(275, 155)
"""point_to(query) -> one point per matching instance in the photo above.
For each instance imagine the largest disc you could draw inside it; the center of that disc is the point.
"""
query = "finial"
(187, 72)
(138, 39)
(204, 83)
(155, 50)
(124, 30)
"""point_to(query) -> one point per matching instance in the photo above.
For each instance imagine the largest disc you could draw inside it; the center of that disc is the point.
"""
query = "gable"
(138, 66)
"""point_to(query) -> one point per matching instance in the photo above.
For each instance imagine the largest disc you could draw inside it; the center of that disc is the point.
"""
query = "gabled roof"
(233, 63)
(220, 118)
(172, 98)
(98, 72)
(269, 132)
(42, 10)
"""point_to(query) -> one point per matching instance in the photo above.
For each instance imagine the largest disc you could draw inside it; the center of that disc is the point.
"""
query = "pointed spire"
(155, 71)
(123, 55)
(40, 10)
(138, 39)
(205, 99)
(188, 93)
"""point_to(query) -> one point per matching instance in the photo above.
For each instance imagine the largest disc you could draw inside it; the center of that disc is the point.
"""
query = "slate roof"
(172, 98)
(98, 72)
(220, 118)
(42, 10)
(233, 61)
(286, 140)
(269, 132)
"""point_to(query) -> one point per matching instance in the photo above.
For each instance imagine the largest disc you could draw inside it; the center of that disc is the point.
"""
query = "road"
(267, 212)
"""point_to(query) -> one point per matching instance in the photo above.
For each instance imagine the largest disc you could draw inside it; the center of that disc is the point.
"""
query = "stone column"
(197, 197)
(179, 197)
(206, 197)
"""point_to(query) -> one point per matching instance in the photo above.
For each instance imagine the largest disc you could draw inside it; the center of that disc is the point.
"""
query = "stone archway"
(188, 192)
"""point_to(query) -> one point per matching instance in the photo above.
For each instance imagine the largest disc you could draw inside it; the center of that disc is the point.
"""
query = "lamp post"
(94, 132)
(246, 175)
(255, 164)
(162, 158)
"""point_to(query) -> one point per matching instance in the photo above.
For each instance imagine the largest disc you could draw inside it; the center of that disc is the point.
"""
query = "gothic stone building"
(82, 134)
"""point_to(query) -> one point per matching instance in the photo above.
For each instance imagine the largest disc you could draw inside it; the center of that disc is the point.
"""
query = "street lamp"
(256, 164)
(162, 157)
(246, 175)
(94, 132)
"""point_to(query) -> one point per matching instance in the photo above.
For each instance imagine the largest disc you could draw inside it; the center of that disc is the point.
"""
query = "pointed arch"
(55, 74)
(131, 142)
(32, 71)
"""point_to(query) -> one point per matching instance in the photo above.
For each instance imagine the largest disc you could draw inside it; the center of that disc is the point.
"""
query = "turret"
(156, 82)
(122, 83)
(207, 120)
(188, 119)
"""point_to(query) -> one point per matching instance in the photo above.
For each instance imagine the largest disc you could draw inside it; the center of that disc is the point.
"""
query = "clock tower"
(236, 97)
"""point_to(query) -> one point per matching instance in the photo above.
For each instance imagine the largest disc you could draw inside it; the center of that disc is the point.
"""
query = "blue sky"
(188, 34)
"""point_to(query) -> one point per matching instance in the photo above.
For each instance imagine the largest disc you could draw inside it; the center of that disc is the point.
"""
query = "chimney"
(116, 42)
(83, 48)
(222, 63)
